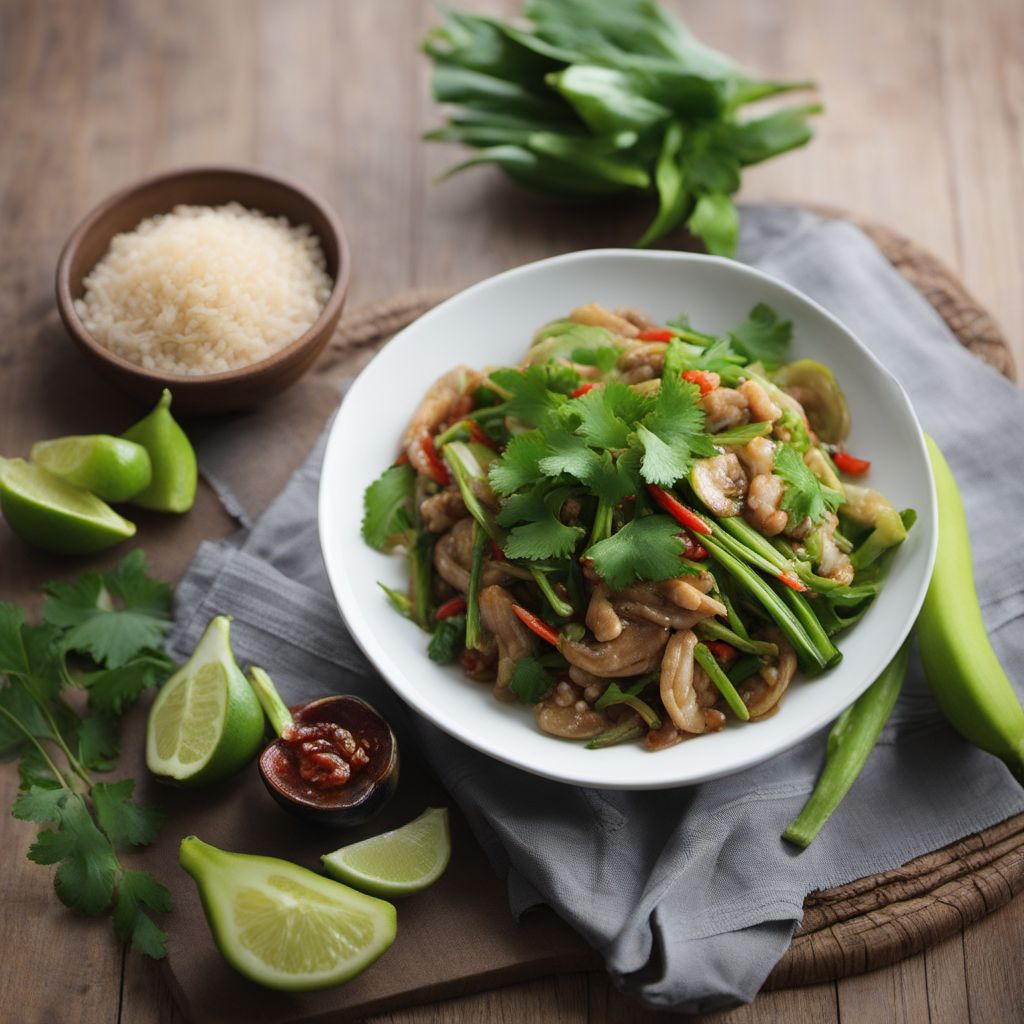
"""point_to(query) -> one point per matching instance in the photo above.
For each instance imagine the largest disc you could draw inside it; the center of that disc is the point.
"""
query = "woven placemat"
(883, 918)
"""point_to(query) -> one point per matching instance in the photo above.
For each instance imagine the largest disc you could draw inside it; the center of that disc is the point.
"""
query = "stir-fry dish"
(642, 530)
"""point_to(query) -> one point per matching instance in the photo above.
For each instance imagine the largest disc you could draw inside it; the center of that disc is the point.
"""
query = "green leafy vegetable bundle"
(597, 99)
(101, 636)
(641, 529)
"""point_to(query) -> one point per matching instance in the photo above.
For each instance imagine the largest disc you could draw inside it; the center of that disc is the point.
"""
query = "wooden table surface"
(924, 131)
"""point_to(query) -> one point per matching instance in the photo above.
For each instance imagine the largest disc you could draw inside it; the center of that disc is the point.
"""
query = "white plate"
(492, 323)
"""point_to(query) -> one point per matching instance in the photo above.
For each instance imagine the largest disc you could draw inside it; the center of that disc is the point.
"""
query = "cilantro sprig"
(805, 497)
(101, 633)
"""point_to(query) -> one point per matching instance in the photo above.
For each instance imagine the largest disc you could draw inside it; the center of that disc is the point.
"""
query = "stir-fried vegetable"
(634, 503)
(597, 99)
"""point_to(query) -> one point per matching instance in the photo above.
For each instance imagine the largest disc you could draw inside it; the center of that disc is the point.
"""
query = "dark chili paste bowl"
(305, 769)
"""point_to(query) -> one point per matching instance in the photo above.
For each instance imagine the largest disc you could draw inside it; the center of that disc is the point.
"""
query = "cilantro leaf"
(87, 866)
(34, 771)
(530, 681)
(387, 507)
(607, 414)
(138, 889)
(805, 496)
(763, 337)
(447, 640)
(17, 702)
(99, 742)
(541, 534)
(39, 803)
(125, 822)
(111, 616)
(530, 400)
(673, 433)
(519, 463)
(116, 689)
(644, 549)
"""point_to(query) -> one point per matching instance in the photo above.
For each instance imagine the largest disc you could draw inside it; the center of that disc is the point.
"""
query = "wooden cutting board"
(458, 936)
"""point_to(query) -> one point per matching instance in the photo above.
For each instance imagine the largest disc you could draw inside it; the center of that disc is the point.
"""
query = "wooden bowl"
(204, 186)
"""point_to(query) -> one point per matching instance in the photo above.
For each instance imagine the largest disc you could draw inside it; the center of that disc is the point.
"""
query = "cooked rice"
(205, 289)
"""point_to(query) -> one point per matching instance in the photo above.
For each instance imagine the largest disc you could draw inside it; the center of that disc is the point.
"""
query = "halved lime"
(283, 926)
(399, 862)
(206, 722)
(55, 515)
(113, 468)
(175, 475)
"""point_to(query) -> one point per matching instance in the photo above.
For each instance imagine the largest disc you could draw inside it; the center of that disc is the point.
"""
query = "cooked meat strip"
(595, 315)
(515, 641)
(634, 651)
(440, 402)
(724, 408)
(762, 509)
(453, 556)
(602, 619)
(443, 510)
(762, 408)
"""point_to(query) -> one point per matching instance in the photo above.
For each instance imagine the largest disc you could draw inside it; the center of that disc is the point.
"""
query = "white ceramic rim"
(661, 776)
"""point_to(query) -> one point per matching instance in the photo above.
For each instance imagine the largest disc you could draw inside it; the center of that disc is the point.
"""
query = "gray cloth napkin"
(690, 894)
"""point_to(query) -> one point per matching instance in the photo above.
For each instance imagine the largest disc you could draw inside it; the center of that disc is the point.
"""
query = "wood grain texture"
(924, 131)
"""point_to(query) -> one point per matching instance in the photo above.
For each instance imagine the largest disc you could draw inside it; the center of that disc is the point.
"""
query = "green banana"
(965, 676)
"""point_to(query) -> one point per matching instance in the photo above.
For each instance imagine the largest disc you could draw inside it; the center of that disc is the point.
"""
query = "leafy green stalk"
(469, 464)
(614, 694)
(712, 629)
(807, 652)
(802, 609)
(399, 601)
(558, 606)
(421, 574)
(707, 661)
(622, 733)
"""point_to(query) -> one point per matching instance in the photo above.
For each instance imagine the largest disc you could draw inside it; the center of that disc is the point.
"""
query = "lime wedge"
(111, 467)
(55, 515)
(396, 863)
(283, 926)
(173, 484)
(206, 722)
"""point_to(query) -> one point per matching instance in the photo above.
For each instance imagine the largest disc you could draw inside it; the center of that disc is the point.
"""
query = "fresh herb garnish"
(644, 549)
(101, 633)
(530, 681)
(387, 507)
(448, 639)
(763, 337)
(805, 497)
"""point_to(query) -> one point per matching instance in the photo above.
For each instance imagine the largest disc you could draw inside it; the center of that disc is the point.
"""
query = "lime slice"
(111, 467)
(55, 515)
(396, 863)
(173, 484)
(283, 926)
(206, 722)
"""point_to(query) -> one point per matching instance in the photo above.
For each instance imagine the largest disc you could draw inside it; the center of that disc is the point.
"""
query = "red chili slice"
(704, 379)
(850, 463)
(679, 512)
(536, 625)
(582, 390)
(656, 334)
(722, 651)
(438, 470)
(476, 433)
(792, 582)
(496, 553)
(456, 606)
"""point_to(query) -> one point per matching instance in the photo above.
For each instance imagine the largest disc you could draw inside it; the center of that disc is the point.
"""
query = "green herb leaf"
(531, 401)
(715, 221)
(644, 549)
(87, 866)
(99, 742)
(763, 337)
(447, 640)
(115, 690)
(530, 681)
(40, 804)
(388, 507)
(125, 822)
(606, 414)
(111, 616)
(540, 534)
(804, 496)
(135, 890)
(519, 464)
(673, 433)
